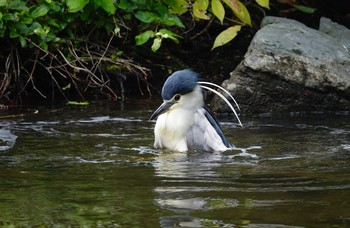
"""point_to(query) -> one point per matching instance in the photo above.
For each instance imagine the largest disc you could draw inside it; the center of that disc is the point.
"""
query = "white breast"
(171, 129)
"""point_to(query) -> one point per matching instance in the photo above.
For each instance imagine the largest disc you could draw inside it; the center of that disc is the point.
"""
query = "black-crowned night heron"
(183, 120)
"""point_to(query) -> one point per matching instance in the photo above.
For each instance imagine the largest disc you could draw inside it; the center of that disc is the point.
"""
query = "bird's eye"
(177, 97)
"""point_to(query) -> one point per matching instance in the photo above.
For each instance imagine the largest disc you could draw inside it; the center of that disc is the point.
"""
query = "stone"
(290, 67)
(339, 32)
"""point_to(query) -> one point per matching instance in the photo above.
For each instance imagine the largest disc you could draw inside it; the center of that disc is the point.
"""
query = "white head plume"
(202, 84)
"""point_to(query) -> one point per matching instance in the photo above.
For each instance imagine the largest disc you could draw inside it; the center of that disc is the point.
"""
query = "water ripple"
(7, 139)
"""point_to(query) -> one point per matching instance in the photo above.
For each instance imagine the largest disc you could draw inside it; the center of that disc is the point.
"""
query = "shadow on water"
(95, 166)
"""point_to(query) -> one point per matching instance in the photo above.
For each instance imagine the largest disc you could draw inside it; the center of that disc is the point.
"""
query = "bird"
(183, 121)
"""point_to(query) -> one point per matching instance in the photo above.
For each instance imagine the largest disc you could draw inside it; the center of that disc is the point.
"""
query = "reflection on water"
(95, 166)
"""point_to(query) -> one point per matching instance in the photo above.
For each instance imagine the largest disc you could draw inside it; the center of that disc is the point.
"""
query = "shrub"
(76, 42)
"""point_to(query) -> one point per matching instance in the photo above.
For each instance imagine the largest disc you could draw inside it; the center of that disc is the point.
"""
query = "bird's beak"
(163, 108)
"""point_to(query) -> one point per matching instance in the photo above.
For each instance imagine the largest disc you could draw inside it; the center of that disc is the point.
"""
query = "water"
(95, 167)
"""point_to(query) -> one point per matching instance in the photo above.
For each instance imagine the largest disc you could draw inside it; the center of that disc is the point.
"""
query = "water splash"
(244, 152)
(346, 146)
(99, 119)
(7, 139)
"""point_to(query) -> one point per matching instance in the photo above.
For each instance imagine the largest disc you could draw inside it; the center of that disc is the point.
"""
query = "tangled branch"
(88, 66)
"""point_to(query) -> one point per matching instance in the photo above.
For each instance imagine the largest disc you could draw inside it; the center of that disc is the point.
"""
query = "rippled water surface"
(95, 166)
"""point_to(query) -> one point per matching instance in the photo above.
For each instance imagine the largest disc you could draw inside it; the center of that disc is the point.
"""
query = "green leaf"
(40, 11)
(171, 20)
(146, 16)
(170, 33)
(226, 36)
(53, 22)
(44, 45)
(17, 5)
(68, 86)
(165, 33)
(107, 5)
(55, 7)
(304, 9)
(85, 15)
(160, 8)
(218, 10)
(144, 37)
(23, 41)
(13, 33)
(84, 103)
(10, 17)
(156, 44)
(3, 2)
(200, 9)
(21, 28)
(263, 3)
(35, 28)
(76, 5)
(127, 6)
(177, 6)
(239, 10)
(27, 20)
(116, 30)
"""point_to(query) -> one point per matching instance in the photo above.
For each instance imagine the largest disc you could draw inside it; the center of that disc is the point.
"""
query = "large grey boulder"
(339, 32)
(290, 67)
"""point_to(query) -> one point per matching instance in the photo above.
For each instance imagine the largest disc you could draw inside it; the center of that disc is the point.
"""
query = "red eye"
(177, 97)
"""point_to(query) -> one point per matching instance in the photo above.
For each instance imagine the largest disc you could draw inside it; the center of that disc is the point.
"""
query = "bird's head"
(180, 90)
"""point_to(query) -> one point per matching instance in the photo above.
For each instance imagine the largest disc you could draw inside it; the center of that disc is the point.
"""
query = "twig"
(204, 30)
(104, 53)
(30, 77)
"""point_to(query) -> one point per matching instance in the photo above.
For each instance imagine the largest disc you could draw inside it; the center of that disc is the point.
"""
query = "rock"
(339, 32)
(290, 67)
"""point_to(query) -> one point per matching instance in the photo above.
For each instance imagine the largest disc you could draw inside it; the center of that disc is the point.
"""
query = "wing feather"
(205, 133)
(212, 120)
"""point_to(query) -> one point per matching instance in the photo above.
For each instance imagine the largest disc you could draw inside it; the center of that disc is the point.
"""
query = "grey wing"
(203, 134)
(216, 126)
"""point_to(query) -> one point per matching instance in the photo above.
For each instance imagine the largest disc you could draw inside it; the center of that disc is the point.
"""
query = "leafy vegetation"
(77, 43)
(68, 40)
(200, 10)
